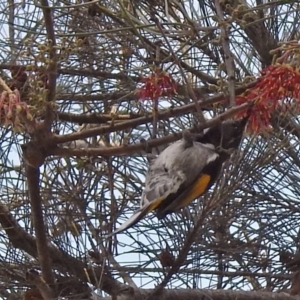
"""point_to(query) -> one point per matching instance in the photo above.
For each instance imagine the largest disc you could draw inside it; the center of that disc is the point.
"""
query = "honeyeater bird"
(186, 169)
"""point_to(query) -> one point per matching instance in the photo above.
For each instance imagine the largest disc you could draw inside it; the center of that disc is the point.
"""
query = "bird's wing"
(159, 185)
(176, 171)
(174, 168)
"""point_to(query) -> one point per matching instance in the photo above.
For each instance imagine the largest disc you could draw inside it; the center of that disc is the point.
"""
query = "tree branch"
(181, 294)
(95, 118)
(136, 148)
(39, 225)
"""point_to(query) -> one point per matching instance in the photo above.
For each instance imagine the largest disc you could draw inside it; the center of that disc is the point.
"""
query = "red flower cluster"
(12, 108)
(156, 85)
(278, 82)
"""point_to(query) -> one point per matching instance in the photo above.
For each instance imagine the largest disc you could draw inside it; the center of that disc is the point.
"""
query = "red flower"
(156, 85)
(12, 109)
(278, 83)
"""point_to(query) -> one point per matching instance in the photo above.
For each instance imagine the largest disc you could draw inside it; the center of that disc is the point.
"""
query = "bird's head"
(226, 135)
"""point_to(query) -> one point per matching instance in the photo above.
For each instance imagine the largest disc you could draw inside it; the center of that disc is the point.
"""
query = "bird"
(186, 169)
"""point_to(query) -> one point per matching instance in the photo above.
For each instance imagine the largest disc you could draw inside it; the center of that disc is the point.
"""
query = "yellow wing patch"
(155, 204)
(196, 190)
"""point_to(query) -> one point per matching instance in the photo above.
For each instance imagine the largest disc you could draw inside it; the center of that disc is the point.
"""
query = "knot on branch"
(33, 154)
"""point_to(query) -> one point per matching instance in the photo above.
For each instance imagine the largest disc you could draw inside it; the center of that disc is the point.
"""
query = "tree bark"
(202, 294)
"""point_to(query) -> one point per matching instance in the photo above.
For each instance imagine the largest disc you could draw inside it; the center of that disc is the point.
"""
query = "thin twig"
(155, 118)
(95, 118)
(5, 86)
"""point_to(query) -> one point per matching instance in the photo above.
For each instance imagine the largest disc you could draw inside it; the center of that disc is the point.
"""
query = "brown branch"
(95, 118)
(34, 156)
(295, 288)
(39, 225)
(104, 118)
(17, 236)
(227, 53)
(113, 97)
(209, 272)
(98, 74)
(126, 150)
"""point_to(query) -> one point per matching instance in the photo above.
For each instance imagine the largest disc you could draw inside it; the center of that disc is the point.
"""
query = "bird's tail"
(138, 215)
